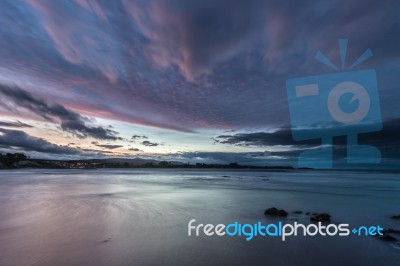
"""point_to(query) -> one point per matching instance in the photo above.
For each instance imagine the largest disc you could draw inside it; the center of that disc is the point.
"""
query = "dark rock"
(104, 241)
(387, 238)
(275, 212)
(395, 217)
(391, 231)
(307, 213)
(322, 217)
(298, 212)
(106, 194)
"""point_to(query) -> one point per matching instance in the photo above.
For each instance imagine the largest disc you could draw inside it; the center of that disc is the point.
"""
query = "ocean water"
(140, 217)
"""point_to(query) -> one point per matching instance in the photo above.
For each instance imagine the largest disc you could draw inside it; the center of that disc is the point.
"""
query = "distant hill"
(10, 161)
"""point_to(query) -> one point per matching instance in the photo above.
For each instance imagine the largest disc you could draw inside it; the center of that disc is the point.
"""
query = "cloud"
(109, 146)
(20, 140)
(134, 137)
(185, 64)
(134, 149)
(196, 35)
(279, 137)
(386, 140)
(69, 121)
(15, 124)
(149, 144)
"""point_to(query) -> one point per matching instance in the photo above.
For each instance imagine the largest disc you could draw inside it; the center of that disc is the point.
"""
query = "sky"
(185, 80)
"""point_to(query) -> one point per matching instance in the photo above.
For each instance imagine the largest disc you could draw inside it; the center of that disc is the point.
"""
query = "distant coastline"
(20, 160)
(11, 161)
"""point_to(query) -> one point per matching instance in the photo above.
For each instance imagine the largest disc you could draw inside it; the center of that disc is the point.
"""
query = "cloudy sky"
(191, 80)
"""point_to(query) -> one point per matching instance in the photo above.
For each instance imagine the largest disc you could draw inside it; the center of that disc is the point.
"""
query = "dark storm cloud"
(389, 135)
(20, 140)
(387, 140)
(69, 121)
(189, 64)
(149, 143)
(109, 146)
(15, 124)
(282, 136)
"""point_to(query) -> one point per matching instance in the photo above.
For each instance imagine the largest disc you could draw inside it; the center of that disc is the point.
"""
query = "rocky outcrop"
(391, 231)
(322, 217)
(387, 238)
(275, 212)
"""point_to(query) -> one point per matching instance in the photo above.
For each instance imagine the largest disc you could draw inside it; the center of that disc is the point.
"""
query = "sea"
(141, 216)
